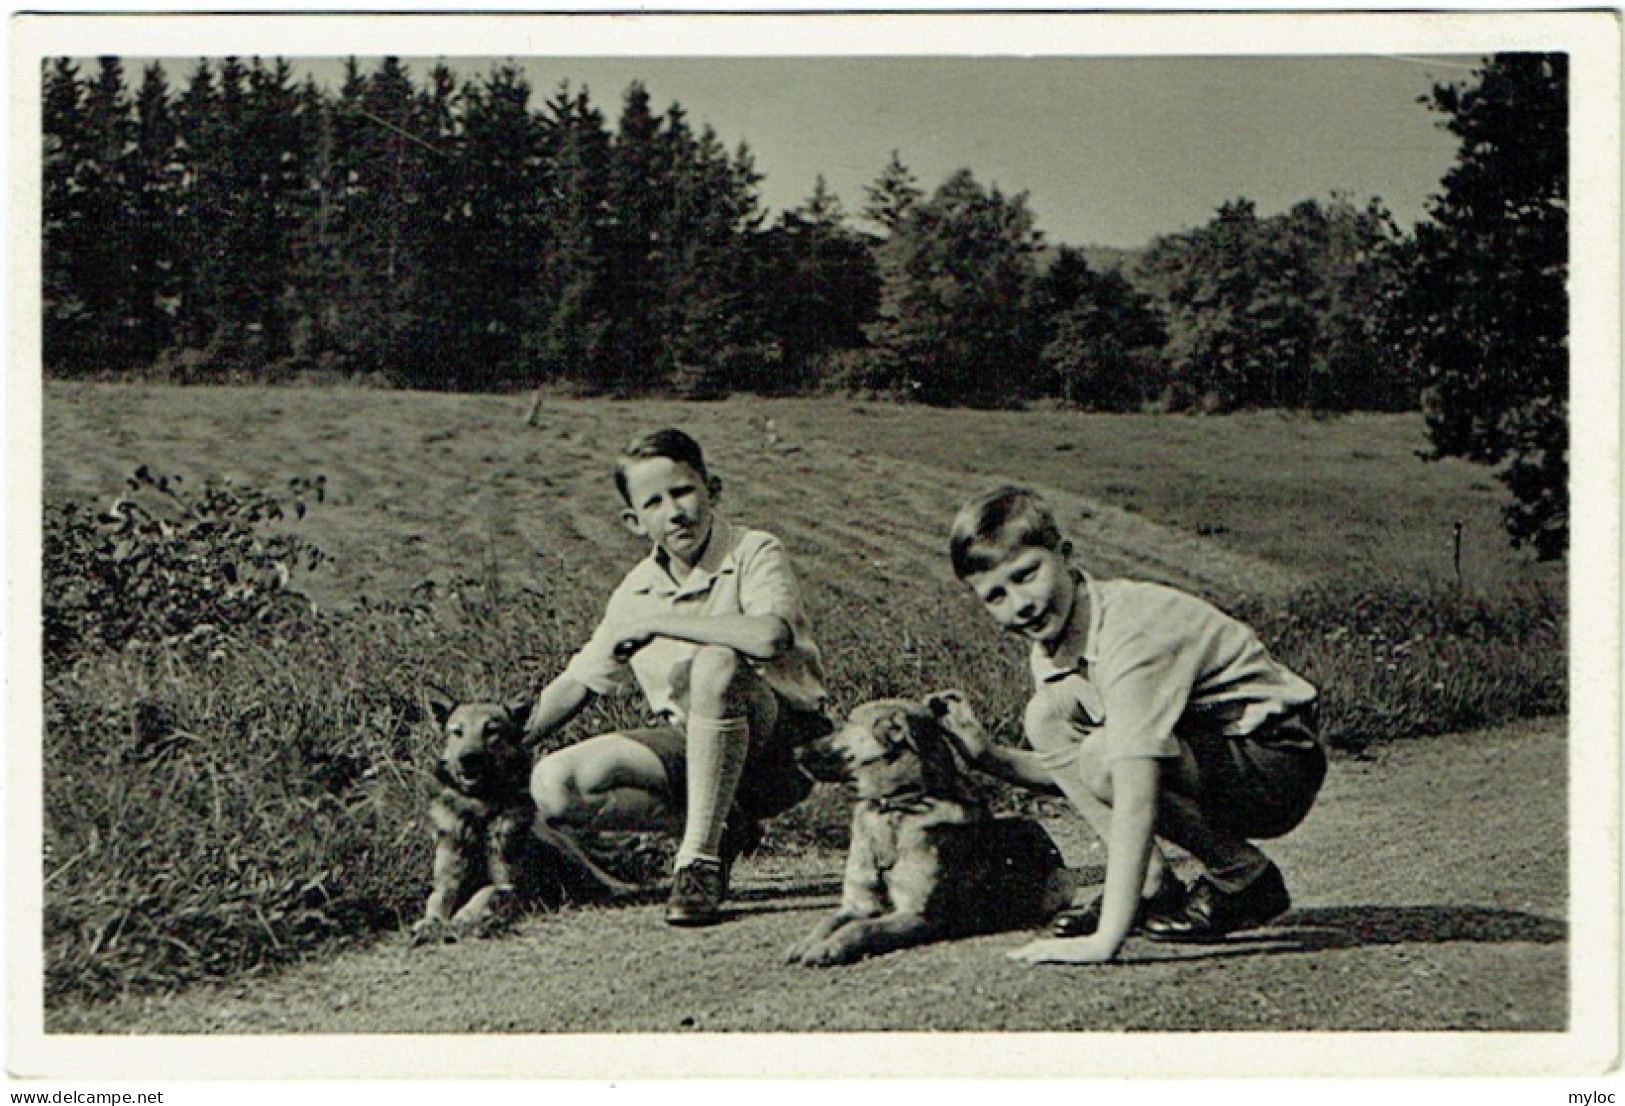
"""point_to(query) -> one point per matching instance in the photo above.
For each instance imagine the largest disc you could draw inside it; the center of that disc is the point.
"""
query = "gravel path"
(1426, 899)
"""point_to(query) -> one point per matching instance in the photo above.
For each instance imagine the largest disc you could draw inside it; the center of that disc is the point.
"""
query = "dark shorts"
(1261, 785)
(772, 781)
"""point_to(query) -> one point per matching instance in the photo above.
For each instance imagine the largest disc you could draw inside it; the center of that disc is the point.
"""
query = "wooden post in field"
(1457, 558)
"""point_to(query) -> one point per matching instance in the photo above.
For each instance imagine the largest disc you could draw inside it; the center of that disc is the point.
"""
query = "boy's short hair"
(672, 444)
(997, 523)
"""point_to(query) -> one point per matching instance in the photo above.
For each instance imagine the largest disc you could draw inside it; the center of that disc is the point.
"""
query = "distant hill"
(1100, 258)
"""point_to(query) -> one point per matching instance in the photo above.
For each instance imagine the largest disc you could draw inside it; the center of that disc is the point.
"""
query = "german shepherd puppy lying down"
(927, 860)
(492, 856)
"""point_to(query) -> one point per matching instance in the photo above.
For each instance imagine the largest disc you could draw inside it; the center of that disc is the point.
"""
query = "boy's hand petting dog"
(953, 713)
(1064, 950)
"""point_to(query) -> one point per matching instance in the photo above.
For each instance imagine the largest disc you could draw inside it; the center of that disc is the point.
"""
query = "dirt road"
(1430, 887)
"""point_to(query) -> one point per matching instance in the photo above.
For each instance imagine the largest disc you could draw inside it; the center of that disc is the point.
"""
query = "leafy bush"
(167, 563)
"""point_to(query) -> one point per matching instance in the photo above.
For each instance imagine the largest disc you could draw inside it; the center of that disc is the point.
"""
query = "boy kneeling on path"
(1155, 714)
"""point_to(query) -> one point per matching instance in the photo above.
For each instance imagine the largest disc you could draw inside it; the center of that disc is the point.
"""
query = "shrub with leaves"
(166, 562)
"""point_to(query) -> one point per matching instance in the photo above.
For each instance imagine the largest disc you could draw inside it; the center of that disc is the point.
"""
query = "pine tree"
(958, 268)
(892, 195)
(1100, 338)
(1486, 308)
(816, 288)
(481, 276)
(156, 186)
(99, 235)
(635, 357)
(567, 334)
(64, 228)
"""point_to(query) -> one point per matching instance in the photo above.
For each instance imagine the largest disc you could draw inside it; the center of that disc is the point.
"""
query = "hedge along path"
(429, 487)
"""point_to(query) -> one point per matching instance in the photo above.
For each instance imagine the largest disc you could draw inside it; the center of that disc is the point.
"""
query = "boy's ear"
(714, 486)
(1066, 549)
(630, 520)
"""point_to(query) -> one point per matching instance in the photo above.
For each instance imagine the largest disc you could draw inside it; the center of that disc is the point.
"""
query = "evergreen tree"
(816, 288)
(96, 321)
(1100, 338)
(711, 340)
(958, 268)
(892, 194)
(65, 228)
(1486, 307)
(395, 198)
(567, 333)
(481, 275)
(207, 120)
(634, 353)
(273, 167)
(156, 189)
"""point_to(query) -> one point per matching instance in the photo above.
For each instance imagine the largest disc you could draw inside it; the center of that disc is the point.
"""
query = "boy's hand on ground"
(1067, 950)
(953, 712)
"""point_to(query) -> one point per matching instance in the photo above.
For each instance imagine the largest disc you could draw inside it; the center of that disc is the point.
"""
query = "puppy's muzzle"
(820, 760)
(468, 771)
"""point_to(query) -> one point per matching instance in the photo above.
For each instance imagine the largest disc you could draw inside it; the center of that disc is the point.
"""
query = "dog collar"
(915, 800)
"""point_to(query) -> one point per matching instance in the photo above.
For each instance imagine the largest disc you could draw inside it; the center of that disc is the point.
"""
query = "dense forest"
(450, 232)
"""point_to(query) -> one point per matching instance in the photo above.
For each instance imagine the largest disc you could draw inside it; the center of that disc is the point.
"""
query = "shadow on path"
(1344, 927)
(1428, 925)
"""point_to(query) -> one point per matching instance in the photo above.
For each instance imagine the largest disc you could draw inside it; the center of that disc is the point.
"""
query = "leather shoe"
(1212, 914)
(697, 890)
(1080, 921)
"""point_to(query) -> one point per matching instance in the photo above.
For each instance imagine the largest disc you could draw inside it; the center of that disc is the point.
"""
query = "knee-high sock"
(716, 759)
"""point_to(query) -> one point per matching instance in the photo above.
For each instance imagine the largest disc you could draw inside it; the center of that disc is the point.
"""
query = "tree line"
(447, 232)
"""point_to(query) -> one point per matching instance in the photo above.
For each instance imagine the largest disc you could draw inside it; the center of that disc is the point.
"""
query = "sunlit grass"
(226, 804)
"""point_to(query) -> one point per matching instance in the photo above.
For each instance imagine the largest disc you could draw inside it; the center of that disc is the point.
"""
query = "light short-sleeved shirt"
(742, 572)
(1157, 664)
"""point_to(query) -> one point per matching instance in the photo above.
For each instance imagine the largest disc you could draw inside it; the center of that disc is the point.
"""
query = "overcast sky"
(1110, 150)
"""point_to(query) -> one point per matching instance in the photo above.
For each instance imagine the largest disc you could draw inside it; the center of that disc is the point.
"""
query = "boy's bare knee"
(1095, 773)
(719, 682)
(551, 785)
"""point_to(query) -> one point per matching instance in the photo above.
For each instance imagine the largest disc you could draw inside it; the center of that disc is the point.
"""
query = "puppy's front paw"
(828, 953)
(427, 931)
(796, 952)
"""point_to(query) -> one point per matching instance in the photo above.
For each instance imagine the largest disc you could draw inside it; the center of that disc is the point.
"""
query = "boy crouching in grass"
(1155, 714)
(711, 628)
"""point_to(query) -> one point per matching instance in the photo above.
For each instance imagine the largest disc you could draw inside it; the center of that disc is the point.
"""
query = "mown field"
(226, 805)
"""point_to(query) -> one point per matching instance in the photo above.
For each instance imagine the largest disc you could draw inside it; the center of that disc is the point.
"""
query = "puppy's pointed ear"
(892, 729)
(440, 704)
(518, 709)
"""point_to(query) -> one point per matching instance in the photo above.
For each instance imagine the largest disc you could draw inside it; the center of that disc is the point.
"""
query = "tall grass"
(1396, 662)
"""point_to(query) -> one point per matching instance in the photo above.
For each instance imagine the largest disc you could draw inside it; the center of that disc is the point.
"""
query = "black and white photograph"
(922, 545)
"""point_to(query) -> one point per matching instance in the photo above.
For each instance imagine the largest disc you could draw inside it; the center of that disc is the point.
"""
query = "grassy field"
(470, 549)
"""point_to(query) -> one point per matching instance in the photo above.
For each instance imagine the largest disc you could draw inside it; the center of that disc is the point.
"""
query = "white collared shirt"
(1154, 660)
(742, 571)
